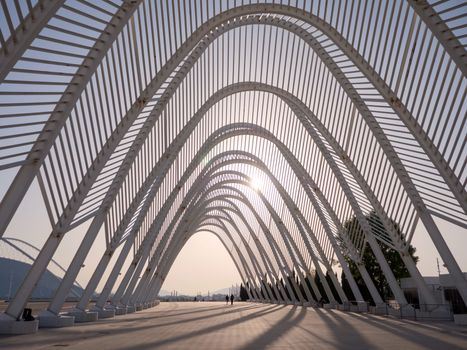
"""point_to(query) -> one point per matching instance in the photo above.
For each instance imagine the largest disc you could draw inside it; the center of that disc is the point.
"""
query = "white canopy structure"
(271, 124)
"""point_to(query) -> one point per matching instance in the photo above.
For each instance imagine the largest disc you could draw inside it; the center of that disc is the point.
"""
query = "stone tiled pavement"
(206, 325)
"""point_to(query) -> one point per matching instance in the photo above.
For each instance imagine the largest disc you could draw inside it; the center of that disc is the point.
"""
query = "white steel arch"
(120, 108)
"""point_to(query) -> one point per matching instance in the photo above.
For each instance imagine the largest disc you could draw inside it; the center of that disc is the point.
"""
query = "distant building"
(442, 288)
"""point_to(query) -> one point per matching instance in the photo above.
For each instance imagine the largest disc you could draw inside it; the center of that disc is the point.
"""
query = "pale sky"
(203, 265)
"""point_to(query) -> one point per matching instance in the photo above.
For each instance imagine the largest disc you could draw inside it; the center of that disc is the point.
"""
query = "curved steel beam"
(193, 208)
(276, 250)
(242, 131)
(442, 32)
(25, 33)
(59, 116)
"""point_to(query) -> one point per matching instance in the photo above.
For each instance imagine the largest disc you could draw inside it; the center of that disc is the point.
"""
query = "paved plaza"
(212, 325)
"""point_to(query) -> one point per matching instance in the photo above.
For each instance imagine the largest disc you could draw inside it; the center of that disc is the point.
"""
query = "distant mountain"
(12, 273)
(222, 291)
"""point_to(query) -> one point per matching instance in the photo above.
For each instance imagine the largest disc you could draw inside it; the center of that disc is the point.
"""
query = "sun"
(256, 183)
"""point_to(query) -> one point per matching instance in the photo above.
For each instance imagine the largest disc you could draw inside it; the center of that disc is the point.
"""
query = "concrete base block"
(343, 307)
(104, 313)
(8, 325)
(362, 307)
(139, 307)
(50, 320)
(329, 306)
(130, 309)
(433, 315)
(84, 316)
(408, 312)
(120, 310)
(378, 309)
(460, 319)
(145, 306)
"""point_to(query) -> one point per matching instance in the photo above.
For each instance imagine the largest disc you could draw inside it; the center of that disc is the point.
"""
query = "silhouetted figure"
(226, 300)
(231, 299)
(27, 315)
(321, 302)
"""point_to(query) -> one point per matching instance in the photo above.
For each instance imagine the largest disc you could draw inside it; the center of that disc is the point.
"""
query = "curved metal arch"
(242, 257)
(256, 162)
(442, 32)
(426, 218)
(275, 218)
(106, 254)
(201, 227)
(290, 27)
(345, 46)
(242, 199)
(226, 209)
(280, 9)
(221, 224)
(381, 261)
(59, 116)
(158, 253)
(160, 275)
(152, 265)
(250, 283)
(121, 290)
(306, 182)
(173, 223)
(24, 34)
(269, 266)
(277, 252)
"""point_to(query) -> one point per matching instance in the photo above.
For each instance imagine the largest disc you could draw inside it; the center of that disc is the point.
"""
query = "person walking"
(226, 300)
(231, 299)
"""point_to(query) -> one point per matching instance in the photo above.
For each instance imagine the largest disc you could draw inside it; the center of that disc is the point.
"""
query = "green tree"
(393, 258)
(243, 293)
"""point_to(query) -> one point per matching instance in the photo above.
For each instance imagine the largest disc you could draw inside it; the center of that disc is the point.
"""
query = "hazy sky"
(203, 265)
